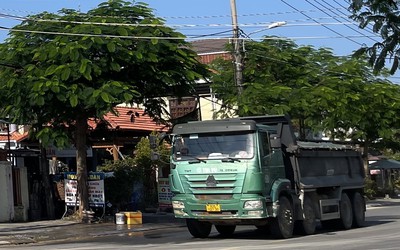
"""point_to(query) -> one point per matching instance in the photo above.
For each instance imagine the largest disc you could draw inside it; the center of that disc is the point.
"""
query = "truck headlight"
(178, 204)
(253, 204)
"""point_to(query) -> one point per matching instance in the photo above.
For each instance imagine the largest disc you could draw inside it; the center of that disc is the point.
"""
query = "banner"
(164, 193)
(95, 189)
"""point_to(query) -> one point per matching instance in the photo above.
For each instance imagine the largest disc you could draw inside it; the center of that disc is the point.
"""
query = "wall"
(22, 209)
(6, 194)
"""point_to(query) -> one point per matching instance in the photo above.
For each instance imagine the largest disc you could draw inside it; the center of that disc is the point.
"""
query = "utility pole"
(237, 55)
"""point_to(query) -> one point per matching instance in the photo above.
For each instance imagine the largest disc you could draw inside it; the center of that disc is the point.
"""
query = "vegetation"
(370, 188)
(322, 92)
(382, 15)
(134, 178)
(58, 70)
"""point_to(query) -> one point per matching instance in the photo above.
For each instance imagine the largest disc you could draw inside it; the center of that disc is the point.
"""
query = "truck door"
(271, 160)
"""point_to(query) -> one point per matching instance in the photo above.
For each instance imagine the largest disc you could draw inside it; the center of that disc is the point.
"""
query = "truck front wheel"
(225, 230)
(198, 229)
(282, 226)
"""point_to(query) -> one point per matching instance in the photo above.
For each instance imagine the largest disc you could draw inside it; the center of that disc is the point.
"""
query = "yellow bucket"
(133, 218)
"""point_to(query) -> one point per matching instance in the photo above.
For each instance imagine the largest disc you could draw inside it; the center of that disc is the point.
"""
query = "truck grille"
(220, 184)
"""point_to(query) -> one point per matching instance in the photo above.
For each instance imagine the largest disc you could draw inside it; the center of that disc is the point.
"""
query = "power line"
(368, 28)
(176, 37)
(257, 24)
(354, 29)
(186, 17)
(334, 31)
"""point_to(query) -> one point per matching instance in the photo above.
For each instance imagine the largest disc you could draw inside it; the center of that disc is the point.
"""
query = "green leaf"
(115, 66)
(55, 88)
(122, 31)
(73, 100)
(111, 47)
(74, 55)
(40, 101)
(65, 74)
(88, 73)
(127, 97)
(97, 31)
(154, 41)
(105, 97)
(50, 70)
(61, 97)
(139, 55)
(82, 68)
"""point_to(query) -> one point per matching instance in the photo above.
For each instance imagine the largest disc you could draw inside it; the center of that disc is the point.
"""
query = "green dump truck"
(253, 171)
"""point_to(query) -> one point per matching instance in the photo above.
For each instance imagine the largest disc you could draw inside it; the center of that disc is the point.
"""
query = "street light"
(270, 26)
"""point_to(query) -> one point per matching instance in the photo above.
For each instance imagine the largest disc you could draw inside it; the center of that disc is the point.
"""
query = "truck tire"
(198, 229)
(225, 230)
(346, 216)
(282, 226)
(309, 223)
(358, 210)
(346, 212)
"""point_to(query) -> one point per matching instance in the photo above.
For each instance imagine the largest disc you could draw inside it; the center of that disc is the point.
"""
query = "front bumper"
(190, 207)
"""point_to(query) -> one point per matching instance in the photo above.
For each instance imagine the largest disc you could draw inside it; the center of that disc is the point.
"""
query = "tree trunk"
(44, 171)
(365, 157)
(81, 167)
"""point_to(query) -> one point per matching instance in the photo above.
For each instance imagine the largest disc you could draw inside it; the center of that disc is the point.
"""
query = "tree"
(321, 92)
(383, 16)
(279, 77)
(61, 69)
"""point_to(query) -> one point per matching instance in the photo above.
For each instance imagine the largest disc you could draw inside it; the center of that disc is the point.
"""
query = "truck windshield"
(214, 146)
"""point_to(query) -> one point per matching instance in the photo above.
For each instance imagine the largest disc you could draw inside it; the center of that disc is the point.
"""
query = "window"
(214, 146)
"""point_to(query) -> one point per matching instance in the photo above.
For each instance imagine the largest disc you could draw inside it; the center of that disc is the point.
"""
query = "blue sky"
(320, 23)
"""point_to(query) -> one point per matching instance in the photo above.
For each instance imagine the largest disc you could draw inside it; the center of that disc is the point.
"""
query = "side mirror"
(275, 141)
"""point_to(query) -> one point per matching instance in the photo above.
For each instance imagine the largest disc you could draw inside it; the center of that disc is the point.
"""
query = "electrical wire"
(334, 31)
(173, 38)
(368, 27)
(185, 17)
(324, 6)
(2, 15)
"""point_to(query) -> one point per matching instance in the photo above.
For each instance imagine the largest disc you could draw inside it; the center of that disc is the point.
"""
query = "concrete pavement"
(54, 230)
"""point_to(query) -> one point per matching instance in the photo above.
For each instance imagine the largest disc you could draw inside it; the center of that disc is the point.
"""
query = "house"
(205, 105)
(21, 168)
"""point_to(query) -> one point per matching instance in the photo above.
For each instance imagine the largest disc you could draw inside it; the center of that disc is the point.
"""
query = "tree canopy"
(322, 92)
(382, 16)
(60, 69)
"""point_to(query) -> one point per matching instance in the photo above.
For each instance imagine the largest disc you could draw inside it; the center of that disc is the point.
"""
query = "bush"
(133, 185)
(370, 188)
(119, 187)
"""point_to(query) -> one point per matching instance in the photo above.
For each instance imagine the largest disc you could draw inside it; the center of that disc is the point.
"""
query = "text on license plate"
(213, 207)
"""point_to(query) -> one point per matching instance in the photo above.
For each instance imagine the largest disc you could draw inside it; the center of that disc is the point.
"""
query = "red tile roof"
(14, 136)
(130, 119)
(210, 49)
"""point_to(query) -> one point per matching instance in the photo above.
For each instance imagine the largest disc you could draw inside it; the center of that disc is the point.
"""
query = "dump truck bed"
(327, 164)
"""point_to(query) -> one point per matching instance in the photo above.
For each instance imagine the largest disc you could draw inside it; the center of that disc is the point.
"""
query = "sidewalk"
(53, 230)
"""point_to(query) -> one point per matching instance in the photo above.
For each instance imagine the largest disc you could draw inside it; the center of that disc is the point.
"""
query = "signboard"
(95, 189)
(164, 193)
(66, 152)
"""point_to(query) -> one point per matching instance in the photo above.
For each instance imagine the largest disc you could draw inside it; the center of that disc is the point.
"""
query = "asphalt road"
(382, 232)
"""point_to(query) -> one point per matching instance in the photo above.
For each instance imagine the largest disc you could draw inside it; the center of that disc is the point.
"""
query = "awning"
(385, 164)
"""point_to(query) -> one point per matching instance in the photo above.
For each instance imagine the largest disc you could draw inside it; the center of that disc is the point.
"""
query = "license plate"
(213, 207)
